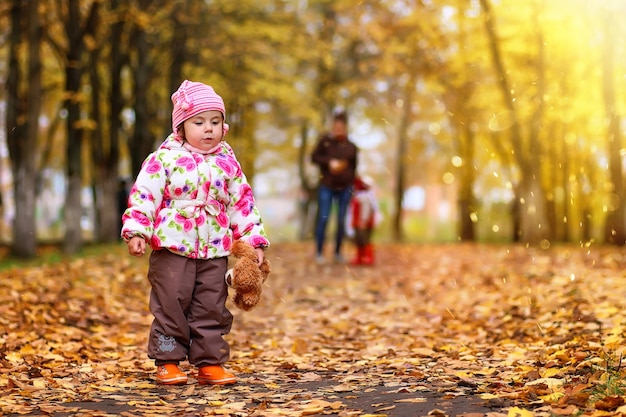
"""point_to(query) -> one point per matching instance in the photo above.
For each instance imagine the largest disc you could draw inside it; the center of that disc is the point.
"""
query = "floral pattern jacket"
(192, 204)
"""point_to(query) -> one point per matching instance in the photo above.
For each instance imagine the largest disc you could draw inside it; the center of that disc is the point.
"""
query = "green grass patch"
(611, 377)
(52, 253)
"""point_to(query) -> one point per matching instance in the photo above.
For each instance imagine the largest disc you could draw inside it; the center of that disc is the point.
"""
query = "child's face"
(204, 130)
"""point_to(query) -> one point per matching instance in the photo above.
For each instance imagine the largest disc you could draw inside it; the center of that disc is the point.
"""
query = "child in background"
(363, 217)
(189, 203)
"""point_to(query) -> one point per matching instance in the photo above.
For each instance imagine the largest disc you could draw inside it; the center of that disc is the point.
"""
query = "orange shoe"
(215, 375)
(170, 374)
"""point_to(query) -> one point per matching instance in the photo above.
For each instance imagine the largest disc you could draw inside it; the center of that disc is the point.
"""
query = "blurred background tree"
(479, 120)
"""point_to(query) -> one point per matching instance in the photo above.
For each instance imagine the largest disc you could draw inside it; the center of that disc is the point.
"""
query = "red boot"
(368, 255)
(358, 258)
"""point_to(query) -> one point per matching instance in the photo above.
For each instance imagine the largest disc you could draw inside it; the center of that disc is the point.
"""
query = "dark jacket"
(328, 147)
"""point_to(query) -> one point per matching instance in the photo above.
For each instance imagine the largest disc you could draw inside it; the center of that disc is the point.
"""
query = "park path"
(450, 329)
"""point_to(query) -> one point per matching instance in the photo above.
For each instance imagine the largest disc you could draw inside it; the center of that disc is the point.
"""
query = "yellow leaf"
(424, 352)
(550, 382)
(309, 411)
(562, 355)
(550, 372)
(336, 405)
(343, 388)
(463, 374)
(27, 350)
(237, 405)
(221, 411)
(13, 357)
(318, 403)
(300, 347)
(145, 385)
(487, 396)
(520, 412)
(412, 400)
(550, 398)
(39, 383)
(486, 371)
(389, 407)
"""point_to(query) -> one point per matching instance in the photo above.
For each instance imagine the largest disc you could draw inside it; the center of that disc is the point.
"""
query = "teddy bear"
(246, 276)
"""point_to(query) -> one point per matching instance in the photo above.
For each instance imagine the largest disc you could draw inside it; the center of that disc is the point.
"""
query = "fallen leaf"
(609, 403)
(519, 412)
(412, 400)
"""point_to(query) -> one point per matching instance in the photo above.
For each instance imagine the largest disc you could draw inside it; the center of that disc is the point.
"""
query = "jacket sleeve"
(245, 219)
(144, 200)
(355, 160)
(319, 155)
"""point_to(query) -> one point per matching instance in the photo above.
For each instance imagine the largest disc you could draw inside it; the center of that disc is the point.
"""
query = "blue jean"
(325, 198)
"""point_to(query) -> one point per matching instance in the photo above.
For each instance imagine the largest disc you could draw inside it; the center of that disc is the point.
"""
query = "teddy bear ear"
(229, 277)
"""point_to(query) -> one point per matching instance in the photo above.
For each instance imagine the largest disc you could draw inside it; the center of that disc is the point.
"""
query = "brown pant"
(362, 236)
(188, 302)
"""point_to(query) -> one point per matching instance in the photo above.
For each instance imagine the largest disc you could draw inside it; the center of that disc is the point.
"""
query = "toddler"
(190, 201)
(362, 219)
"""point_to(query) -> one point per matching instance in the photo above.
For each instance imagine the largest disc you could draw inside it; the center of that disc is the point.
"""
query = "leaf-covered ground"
(442, 329)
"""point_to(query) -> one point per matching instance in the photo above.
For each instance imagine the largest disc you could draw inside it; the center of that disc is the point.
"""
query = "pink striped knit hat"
(193, 98)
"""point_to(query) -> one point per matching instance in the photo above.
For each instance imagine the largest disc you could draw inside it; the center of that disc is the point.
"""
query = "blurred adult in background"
(336, 156)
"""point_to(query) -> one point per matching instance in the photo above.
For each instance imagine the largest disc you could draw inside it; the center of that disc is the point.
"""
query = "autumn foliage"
(512, 329)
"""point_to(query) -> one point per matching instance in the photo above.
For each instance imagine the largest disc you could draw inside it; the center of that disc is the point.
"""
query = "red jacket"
(363, 209)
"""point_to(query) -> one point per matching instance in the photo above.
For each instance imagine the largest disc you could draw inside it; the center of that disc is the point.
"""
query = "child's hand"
(136, 246)
(260, 255)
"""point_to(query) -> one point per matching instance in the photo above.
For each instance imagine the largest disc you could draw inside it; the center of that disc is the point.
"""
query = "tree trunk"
(536, 225)
(23, 142)
(567, 191)
(405, 119)
(530, 204)
(242, 136)
(179, 53)
(105, 152)
(142, 141)
(467, 200)
(73, 73)
(533, 226)
(308, 203)
(15, 106)
(118, 58)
